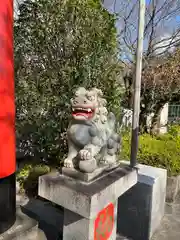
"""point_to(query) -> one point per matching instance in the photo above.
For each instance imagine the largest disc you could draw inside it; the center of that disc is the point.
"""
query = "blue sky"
(165, 28)
(178, 18)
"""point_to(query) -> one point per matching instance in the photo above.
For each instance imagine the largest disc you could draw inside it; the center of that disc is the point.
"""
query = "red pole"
(7, 117)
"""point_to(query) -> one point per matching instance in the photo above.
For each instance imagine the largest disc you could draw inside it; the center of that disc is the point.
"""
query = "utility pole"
(137, 84)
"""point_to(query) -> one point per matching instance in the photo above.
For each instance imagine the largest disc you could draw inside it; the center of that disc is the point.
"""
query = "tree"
(60, 45)
(162, 27)
(160, 84)
(161, 39)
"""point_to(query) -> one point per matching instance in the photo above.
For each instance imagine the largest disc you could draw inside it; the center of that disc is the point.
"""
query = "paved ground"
(170, 226)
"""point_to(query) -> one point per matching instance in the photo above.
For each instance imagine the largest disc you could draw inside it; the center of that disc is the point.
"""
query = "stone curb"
(173, 188)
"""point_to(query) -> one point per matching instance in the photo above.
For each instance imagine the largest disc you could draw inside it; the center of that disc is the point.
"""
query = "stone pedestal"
(80, 228)
(90, 209)
(141, 208)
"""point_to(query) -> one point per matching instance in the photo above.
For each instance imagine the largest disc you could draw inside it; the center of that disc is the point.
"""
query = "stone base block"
(87, 200)
(80, 228)
(24, 228)
(141, 208)
(50, 219)
(90, 210)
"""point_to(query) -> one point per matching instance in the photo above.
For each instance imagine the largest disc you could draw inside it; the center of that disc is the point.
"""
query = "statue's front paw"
(108, 160)
(85, 154)
(68, 163)
(104, 161)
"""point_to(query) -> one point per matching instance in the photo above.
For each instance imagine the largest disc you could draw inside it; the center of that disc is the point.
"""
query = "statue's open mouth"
(83, 112)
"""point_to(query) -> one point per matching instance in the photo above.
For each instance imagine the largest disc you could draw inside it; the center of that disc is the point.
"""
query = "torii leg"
(7, 119)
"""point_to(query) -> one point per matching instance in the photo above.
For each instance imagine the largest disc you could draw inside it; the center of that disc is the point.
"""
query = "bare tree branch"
(160, 21)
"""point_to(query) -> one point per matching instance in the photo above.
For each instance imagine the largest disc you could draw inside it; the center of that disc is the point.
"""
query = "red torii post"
(7, 118)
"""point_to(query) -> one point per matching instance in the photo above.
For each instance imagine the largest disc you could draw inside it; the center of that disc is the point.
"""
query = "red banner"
(7, 103)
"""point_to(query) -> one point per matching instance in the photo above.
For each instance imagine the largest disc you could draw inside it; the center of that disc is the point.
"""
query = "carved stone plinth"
(90, 210)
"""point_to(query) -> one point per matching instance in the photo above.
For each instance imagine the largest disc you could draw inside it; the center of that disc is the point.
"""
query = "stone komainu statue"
(92, 139)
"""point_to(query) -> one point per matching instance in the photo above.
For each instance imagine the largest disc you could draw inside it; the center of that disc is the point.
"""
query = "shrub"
(158, 151)
(174, 130)
(28, 178)
(60, 45)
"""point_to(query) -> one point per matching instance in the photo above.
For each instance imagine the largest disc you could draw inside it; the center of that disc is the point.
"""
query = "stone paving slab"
(23, 228)
(170, 226)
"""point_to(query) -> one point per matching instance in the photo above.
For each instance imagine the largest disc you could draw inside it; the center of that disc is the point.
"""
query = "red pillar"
(7, 118)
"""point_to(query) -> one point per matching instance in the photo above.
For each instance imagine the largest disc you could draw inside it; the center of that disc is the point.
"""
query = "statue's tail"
(115, 140)
(112, 121)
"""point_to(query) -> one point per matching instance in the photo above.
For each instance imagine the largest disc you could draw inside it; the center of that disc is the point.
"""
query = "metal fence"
(174, 114)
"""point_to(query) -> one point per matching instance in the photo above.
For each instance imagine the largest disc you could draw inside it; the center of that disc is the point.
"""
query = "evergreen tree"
(60, 45)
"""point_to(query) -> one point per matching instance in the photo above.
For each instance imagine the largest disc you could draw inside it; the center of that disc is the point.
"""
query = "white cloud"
(166, 43)
(113, 5)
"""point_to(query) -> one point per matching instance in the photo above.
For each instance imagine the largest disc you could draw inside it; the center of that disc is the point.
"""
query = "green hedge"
(28, 178)
(159, 151)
